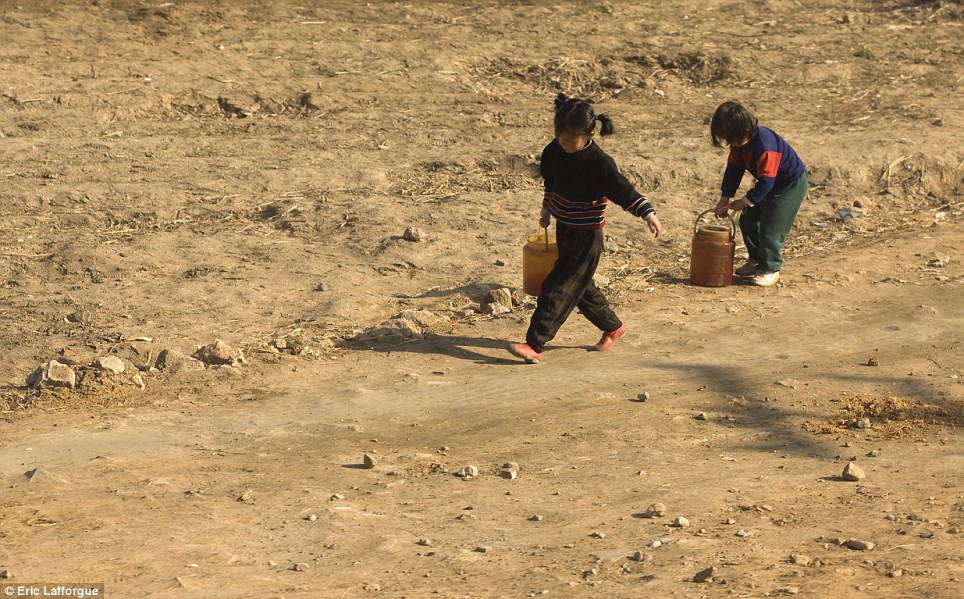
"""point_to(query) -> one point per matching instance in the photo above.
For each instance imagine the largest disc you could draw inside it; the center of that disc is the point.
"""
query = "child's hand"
(544, 218)
(722, 206)
(654, 225)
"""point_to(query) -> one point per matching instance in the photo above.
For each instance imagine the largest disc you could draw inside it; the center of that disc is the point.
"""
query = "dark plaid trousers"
(569, 285)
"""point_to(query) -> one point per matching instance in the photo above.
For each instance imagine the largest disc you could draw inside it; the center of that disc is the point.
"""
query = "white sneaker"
(765, 278)
(747, 270)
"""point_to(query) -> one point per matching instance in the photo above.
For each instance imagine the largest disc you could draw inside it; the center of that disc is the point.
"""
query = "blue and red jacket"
(769, 158)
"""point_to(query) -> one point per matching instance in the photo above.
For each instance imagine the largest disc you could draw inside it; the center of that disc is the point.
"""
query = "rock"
(414, 234)
(5, 574)
(681, 522)
(52, 374)
(369, 461)
(174, 361)
(519, 297)
(705, 575)
(496, 308)
(510, 470)
(110, 363)
(219, 353)
(497, 301)
(80, 317)
(858, 545)
(644, 396)
(656, 510)
(799, 559)
(701, 416)
(300, 567)
(743, 533)
(853, 472)
(469, 472)
(425, 319)
(535, 518)
(424, 542)
(38, 475)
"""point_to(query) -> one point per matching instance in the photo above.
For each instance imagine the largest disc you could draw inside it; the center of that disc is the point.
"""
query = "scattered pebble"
(701, 416)
(853, 472)
(644, 396)
(657, 510)
(858, 545)
(369, 461)
(681, 522)
(799, 559)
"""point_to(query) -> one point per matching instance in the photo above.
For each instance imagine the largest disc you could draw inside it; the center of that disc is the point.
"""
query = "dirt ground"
(178, 173)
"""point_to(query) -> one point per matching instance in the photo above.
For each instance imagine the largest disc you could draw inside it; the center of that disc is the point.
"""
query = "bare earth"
(178, 173)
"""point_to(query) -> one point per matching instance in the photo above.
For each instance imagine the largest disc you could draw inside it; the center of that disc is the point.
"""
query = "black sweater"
(578, 186)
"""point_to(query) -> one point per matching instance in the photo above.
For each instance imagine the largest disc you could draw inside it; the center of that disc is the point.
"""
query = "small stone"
(110, 363)
(300, 567)
(481, 549)
(853, 472)
(657, 510)
(598, 535)
(873, 361)
(413, 234)
(743, 533)
(705, 575)
(858, 545)
(470, 471)
(644, 396)
(311, 517)
(535, 518)
(938, 122)
(424, 542)
(789, 590)
(369, 461)
(681, 522)
(864, 423)
(872, 454)
(701, 416)
(799, 559)
(5, 574)
(656, 544)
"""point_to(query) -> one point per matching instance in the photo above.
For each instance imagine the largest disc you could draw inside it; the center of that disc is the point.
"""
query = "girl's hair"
(732, 123)
(577, 116)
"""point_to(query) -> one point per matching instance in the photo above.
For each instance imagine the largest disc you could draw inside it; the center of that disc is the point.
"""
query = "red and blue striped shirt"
(578, 187)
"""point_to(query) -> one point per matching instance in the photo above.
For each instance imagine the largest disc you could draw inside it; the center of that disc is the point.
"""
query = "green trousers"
(765, 226)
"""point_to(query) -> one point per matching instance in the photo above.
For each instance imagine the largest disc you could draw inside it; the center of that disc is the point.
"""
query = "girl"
(580, 179)
(771, 205)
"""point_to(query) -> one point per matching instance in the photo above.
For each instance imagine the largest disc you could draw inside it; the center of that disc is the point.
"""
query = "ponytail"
(578, 116)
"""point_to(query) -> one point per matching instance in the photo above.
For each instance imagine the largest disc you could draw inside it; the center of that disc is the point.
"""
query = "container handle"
(713, 210)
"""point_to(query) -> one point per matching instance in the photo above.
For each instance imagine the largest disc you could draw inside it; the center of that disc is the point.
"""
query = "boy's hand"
(544, 218)
(654, 225)
(722, 206)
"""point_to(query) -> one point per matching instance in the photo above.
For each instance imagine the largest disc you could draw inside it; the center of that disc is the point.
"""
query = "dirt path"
(177, 173)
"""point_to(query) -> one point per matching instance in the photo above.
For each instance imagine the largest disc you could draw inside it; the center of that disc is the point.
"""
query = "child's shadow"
(456, 346)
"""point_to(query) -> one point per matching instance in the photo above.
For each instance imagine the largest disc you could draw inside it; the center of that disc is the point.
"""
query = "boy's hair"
(577, 116)
(732, 123)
